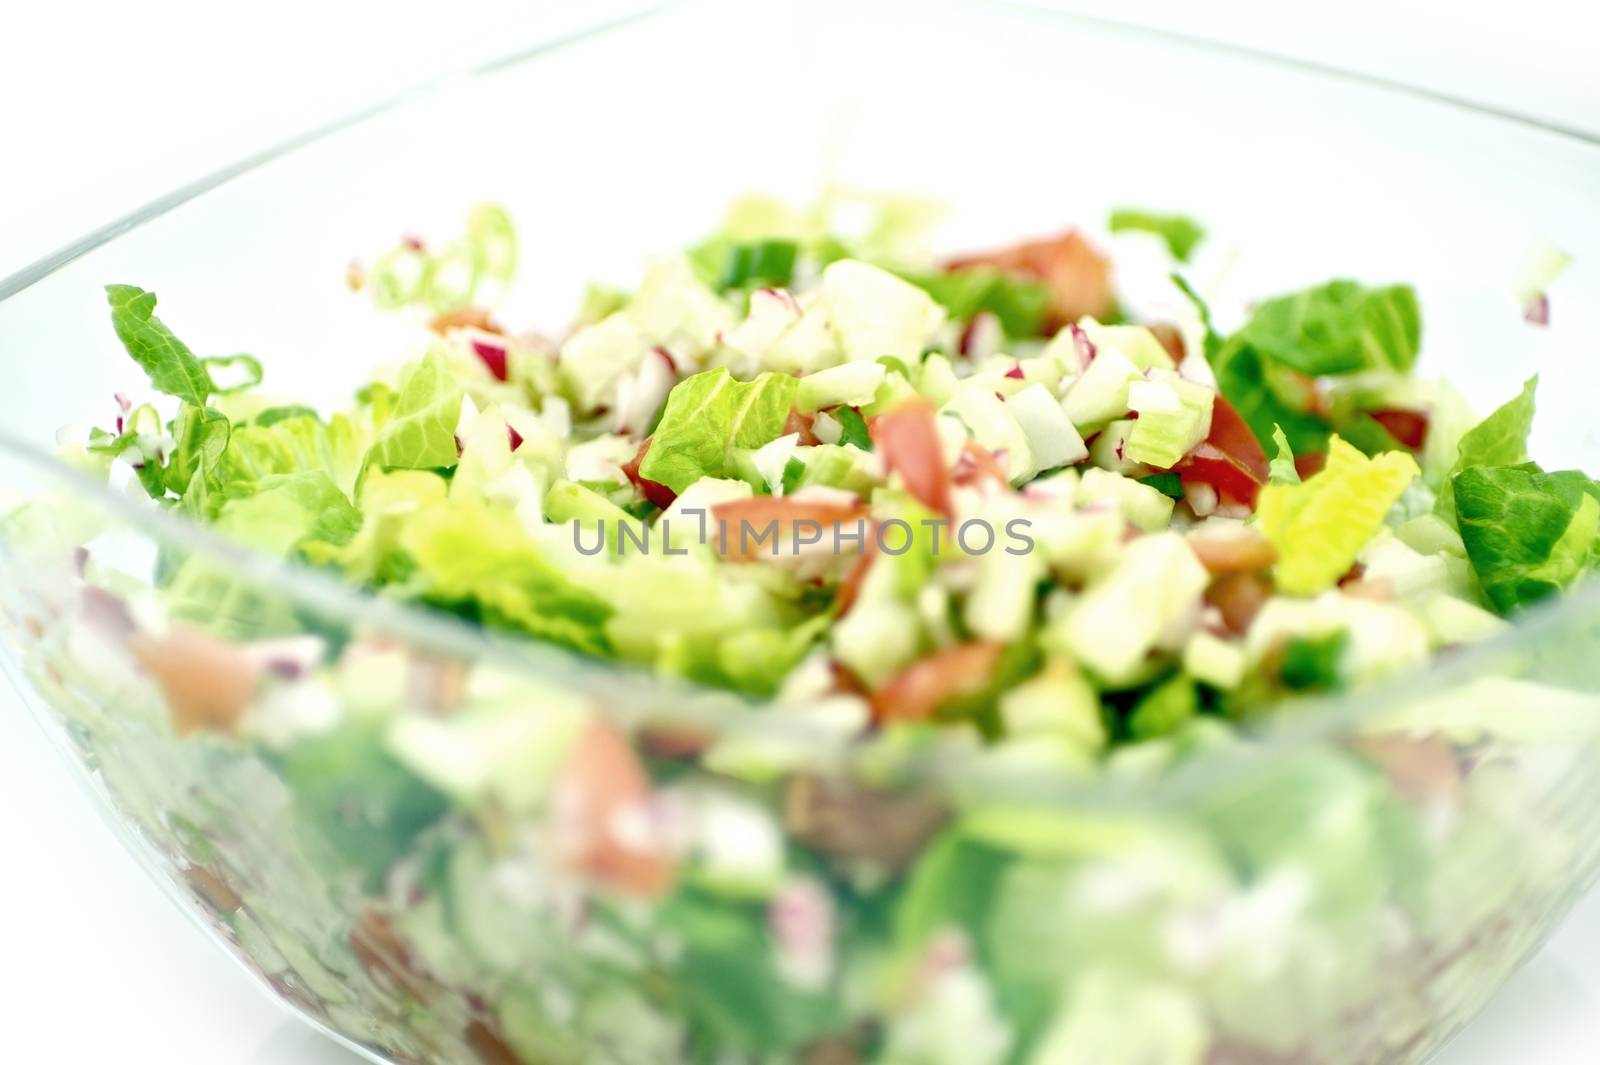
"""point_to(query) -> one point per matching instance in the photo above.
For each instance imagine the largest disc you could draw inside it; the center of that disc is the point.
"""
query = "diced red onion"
(412, 241)
(1083, 346)
(1015, 372)
(493, 356)
(513, 436)
(1537, 310)
(290, 657)
(982, 336)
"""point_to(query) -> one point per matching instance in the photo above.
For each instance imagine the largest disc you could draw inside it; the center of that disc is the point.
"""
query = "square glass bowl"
(1346, 883)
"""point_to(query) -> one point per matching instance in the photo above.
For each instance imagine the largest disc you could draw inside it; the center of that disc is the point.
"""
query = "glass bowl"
(446, 846)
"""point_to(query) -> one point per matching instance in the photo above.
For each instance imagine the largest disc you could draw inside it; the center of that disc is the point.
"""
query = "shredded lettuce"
(1318, 527)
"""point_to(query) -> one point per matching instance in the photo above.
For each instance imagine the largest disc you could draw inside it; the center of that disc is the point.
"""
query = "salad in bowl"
(828, 651)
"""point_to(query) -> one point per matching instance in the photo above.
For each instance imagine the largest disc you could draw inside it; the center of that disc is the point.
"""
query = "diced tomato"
(917, 691)
(1310, 463)
(1231, 459)
(1410, 427)
(908, 439)
(1077, 273)
(782, 513)
(602, 816)
(659, 494)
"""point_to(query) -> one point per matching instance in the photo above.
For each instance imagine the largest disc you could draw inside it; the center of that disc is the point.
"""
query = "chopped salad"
(1009, 502)
(972, 491)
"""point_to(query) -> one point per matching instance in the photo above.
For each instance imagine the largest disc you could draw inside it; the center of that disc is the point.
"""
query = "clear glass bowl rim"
(1308, 722)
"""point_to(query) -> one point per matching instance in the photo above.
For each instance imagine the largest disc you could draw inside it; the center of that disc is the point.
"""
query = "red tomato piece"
(602, 816)
(1231, 459)
(1410, 427)
(908, 439)
(928, 683)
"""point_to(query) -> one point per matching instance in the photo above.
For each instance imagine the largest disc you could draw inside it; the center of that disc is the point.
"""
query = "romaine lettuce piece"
(1338, 328)
(421, 432)
(1501, 439)
(172, 367)
(472, 557)
(1320, 526)
(707, 416)
(1529, 534)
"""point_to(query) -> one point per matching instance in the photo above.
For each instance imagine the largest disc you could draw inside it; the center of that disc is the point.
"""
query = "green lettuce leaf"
(1245, 378)
(286, 509)
(421, 432)
(706, 417)
(1318, 527)
(295, 443)
(482, 561)
(200, 438)
(172, 367)
(387, 499)
(1528, 533)
(1020, 303)
(1501, 439)
(1180, 233)
(1338, 328)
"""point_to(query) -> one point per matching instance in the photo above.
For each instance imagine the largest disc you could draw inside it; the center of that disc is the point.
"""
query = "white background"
(105, 106)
